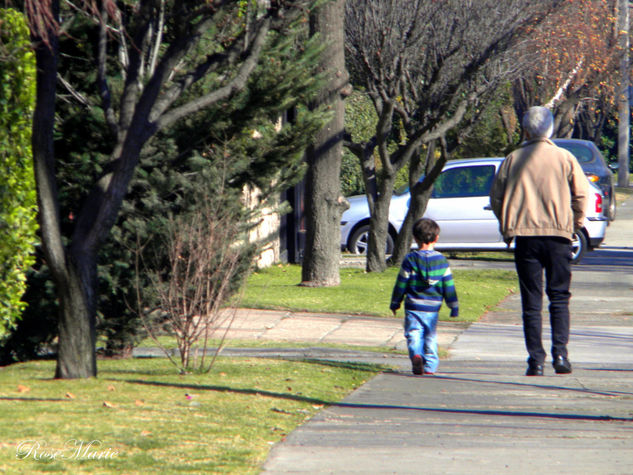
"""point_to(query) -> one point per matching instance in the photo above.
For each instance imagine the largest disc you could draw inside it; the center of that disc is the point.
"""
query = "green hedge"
(18, 224)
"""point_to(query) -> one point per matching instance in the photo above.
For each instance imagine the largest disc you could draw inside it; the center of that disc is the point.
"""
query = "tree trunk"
(420, 194)
(624, 110)
(379, 227)
(76, 355)
(565, 118)
(77, 335)
(324, 203)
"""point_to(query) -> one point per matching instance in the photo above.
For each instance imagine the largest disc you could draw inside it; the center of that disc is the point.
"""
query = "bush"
(208, 258)
(18, 208)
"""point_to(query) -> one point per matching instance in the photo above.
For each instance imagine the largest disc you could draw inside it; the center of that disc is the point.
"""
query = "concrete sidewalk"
(320, 329)
(480, 414)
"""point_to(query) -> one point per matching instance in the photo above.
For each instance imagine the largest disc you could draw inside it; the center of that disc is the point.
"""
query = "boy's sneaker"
(417, 363)
(429, 373)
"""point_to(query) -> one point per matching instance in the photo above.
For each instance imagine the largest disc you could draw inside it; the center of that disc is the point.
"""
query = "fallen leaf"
(145, 433)
(23, 389)
(109, 404)
(139, 402)
(111, 388)
(70, 395)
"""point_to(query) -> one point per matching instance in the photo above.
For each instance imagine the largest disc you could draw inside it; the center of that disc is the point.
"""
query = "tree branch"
(561, 90)
(236, 84)
(102, 82)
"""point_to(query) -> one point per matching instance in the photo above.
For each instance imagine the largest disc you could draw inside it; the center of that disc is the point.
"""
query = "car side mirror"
(613, 166)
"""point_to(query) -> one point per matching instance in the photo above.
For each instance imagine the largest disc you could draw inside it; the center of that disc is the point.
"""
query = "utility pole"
(624, 109)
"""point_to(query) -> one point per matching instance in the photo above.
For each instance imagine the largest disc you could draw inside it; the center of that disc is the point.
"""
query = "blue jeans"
(420, 330)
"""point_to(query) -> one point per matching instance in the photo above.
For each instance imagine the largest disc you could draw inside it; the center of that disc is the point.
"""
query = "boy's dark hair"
(426, 230)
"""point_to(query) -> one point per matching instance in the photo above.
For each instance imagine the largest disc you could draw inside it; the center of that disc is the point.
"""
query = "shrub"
(18, 223)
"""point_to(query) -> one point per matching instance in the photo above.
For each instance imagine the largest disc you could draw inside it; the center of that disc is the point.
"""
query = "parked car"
(460, 204)
(596, 169)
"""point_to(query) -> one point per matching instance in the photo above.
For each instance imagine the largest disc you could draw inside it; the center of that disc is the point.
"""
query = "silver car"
(460, 204)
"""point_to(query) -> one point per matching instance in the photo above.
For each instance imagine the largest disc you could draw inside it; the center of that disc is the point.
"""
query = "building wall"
(267, 230)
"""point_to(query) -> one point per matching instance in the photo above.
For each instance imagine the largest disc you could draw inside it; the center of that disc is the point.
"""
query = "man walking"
(539, 196)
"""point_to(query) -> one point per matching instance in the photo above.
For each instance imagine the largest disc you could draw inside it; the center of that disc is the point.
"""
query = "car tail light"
(592, 178)
(598, 203)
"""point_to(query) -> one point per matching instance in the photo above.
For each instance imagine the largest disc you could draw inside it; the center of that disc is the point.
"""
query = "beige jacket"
(539, 190)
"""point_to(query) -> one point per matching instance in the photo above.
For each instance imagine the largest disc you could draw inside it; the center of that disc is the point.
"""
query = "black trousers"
(532, 256)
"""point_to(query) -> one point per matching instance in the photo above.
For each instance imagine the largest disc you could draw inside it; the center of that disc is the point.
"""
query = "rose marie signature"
(73, 449)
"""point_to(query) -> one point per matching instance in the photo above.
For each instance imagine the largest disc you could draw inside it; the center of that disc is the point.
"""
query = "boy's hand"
(454, 313)
(394, 311)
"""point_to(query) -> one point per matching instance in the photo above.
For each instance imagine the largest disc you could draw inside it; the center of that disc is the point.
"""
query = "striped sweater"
(425, 280)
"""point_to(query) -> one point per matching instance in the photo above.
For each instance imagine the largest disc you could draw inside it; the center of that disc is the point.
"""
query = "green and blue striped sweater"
(425, 280)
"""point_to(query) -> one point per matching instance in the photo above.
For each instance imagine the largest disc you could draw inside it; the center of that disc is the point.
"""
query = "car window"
(582, 153)
(464, 181)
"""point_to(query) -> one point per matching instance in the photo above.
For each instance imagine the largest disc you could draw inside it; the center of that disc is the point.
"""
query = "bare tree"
(424, 64)
(574, 59)
(220, 41)
(208, 257)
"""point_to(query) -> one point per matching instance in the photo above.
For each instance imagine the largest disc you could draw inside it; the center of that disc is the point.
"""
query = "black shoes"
(417, 363)
(561, 365)
(534, 370)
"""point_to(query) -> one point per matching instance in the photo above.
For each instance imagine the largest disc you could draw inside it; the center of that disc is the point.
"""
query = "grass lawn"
(362, 293)
(140, 416)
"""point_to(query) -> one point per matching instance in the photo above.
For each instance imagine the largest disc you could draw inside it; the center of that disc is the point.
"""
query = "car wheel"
(579, 247)
(359, 239)
(612, 207)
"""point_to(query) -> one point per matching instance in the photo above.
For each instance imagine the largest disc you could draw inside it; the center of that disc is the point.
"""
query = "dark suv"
(595, 167)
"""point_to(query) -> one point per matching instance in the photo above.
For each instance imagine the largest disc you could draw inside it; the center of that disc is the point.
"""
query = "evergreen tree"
(144, 123)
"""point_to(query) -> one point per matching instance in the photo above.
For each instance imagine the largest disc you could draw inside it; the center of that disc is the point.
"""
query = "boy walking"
(424, 280)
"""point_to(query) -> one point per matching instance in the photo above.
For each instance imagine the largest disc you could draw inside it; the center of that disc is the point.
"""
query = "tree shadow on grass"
(229, 389)
(351, 365)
